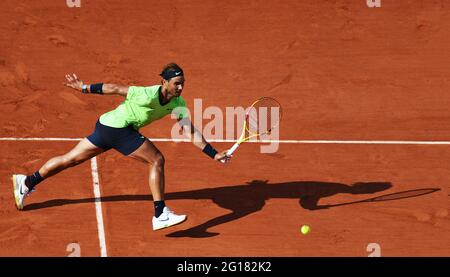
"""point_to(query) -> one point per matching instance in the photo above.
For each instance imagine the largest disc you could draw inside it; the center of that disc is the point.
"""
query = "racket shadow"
(243, 200)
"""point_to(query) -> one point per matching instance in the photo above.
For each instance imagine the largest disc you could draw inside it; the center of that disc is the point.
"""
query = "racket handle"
(233, 148)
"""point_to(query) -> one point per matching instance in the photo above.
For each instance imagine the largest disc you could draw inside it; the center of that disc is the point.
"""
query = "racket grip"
(233, 148)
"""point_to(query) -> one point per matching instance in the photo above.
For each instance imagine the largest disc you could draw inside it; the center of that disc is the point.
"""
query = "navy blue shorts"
(125, 140)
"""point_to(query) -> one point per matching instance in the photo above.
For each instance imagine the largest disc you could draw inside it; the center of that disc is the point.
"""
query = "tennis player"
(119, 129)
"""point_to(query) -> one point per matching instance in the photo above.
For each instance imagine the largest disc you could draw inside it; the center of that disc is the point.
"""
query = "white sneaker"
(20, 190)
(167, 219)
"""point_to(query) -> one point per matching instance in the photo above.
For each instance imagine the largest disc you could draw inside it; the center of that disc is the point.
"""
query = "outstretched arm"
(75, 83)
(199, 141)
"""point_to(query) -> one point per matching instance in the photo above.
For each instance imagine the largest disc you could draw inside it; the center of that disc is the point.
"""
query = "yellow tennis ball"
(305, 229)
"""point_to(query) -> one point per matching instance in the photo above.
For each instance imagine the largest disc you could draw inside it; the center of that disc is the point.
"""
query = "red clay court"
(365, 137)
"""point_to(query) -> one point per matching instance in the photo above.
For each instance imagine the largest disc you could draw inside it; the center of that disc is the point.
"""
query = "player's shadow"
(242, 200)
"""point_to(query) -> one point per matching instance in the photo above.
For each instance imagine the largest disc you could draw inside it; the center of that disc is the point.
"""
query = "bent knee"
(159, 160)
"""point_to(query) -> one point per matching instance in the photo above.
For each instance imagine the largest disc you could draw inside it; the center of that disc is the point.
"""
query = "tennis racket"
(260, 119)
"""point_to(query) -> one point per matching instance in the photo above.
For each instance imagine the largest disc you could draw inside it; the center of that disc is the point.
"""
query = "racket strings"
(263, 116)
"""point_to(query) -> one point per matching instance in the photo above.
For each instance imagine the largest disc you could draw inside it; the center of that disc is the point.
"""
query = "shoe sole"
(15, 191)
(170, 225)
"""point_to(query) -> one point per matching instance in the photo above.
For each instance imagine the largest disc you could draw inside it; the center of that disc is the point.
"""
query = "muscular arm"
(108, 89)
(198, 140)
(115, 89)
(196, 136)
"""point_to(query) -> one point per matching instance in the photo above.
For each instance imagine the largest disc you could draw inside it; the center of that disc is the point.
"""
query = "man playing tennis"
(118, 129)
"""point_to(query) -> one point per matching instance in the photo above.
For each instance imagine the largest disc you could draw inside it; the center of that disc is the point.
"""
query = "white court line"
(410, 142)
(98, 208)
(96, 183)
(41, 139)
